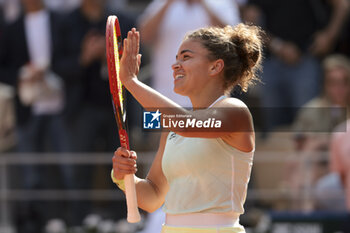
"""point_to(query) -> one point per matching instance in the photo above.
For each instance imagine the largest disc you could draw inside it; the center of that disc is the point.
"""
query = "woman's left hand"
(131, 59)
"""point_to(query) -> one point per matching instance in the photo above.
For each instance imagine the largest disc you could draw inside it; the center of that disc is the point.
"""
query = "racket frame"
(114, 52)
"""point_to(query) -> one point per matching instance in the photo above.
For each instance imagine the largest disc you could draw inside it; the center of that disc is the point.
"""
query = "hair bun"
(247, 40)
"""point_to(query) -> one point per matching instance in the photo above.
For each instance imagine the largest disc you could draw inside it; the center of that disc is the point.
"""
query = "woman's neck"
(204, 100)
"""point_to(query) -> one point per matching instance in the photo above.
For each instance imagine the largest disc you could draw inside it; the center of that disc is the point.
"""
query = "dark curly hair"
(240, 47)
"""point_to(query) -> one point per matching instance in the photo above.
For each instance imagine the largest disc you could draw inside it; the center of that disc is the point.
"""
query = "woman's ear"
(216, 67)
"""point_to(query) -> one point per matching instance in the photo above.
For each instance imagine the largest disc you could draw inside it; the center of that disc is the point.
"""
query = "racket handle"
(130, 189)
(131, 199)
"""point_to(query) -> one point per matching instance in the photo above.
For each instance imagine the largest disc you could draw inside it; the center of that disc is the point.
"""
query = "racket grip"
(131, 199)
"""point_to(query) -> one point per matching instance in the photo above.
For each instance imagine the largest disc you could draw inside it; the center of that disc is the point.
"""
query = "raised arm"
(229, 111)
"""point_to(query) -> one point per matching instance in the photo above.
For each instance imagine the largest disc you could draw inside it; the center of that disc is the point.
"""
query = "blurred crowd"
(54, 93)
(305, 92)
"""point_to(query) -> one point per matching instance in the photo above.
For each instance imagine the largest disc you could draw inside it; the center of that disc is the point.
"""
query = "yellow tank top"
(205, 175)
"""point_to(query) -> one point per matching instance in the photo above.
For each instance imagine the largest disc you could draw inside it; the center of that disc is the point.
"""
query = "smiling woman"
(201, 176)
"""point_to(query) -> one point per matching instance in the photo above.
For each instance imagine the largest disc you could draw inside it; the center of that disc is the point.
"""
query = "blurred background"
(58, 133)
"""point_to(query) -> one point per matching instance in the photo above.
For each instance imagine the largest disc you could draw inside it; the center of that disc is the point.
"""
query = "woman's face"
(337, 86)
(191, 69)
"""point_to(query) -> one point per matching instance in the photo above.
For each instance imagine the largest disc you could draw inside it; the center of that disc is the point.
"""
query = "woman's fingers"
(130, 38)
(124, 156)
(131, 45)
(124, 169)
(133, 155)
(120, 170)
(139, 59)
(124, 162)
(137, 42)
(131, 59)
(121, 151)
(134, 42)
(125, 44)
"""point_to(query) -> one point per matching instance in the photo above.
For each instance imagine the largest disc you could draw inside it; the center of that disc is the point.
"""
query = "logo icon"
(151, 120)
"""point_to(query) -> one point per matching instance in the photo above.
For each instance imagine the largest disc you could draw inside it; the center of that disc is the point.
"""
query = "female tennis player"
(201, 176)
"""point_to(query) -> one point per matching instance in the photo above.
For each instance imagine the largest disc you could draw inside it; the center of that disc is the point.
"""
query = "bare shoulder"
(234, 106)
(242, 138)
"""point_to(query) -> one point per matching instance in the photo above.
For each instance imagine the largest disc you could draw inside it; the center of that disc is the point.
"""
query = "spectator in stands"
(11, 9)
(316, 120)
(27, 48)
(324, 112)
(340, 157)
(291, 72)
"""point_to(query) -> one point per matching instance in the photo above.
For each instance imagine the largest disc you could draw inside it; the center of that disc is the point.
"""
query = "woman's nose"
(175, 66)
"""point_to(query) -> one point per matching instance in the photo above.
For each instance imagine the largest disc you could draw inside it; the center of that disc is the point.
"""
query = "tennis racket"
(114, 52)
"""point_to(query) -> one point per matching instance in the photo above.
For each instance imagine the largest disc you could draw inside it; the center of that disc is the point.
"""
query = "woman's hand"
(131, 59)
(124, 163)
